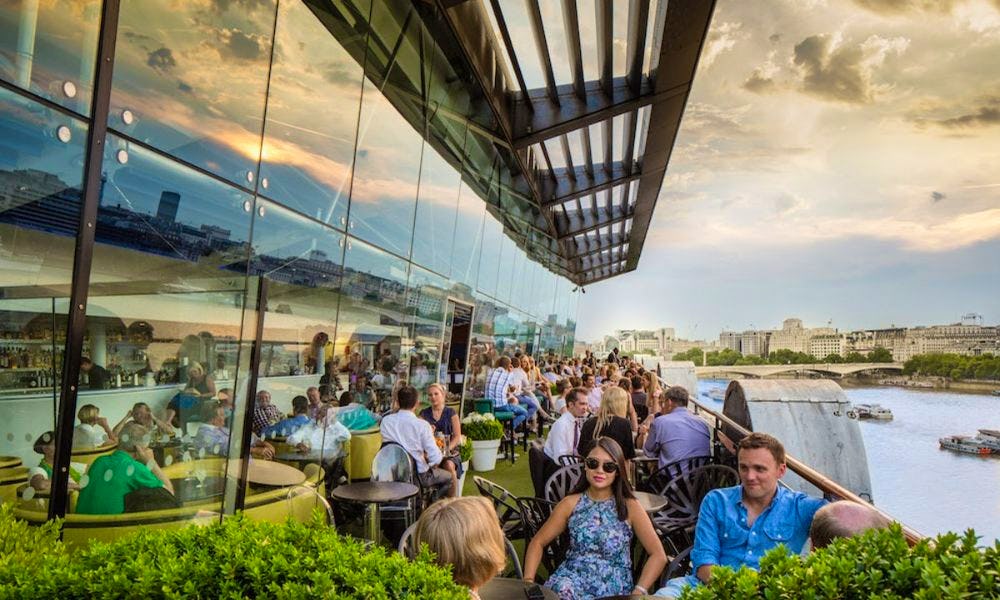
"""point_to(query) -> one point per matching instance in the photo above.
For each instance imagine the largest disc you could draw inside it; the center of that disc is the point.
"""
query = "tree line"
(954, 366)
(728, 357)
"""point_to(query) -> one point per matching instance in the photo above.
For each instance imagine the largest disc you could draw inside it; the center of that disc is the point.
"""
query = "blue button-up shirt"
(723, 537)
(677, 435)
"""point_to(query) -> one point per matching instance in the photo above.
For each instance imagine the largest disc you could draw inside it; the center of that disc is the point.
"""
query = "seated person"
(677, 434)
(325, 435)
(93, 430)
(40, 477)
(739, 524)
(564, 436)
(265, 414)
(213, 434)
(444, 421)
(183, 407)
(129, 468)
(610, 421)
(843, 519)
(414, 435)
(498, 384)
(563, 389)
(141, 414)
(315, 402)
(464, 533)
(285, 427)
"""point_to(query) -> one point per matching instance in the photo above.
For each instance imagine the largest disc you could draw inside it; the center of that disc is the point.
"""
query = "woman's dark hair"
(621, 488)
(346, 398)
(44, 440)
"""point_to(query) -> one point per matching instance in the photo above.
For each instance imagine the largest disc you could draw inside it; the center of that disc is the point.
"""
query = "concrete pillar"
(25, 56)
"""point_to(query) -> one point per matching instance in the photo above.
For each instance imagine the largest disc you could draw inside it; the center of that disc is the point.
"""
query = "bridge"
(835, 369)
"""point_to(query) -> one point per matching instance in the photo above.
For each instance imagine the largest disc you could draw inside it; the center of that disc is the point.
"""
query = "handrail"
(824, 483)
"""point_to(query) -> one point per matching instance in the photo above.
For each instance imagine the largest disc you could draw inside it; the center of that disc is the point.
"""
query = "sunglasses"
(592, 464)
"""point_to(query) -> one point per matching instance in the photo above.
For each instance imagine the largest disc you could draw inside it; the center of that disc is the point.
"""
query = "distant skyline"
(838, 160)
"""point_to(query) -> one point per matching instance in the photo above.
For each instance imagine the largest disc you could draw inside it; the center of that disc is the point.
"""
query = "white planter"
(461, 480)
(484, 454)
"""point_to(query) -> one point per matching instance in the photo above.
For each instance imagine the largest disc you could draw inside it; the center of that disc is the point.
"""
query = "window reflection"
(41, 171)
(468, 238)
(437, 203)
(170, 91)
(426, 303)
(385, 175)
(489, 263)
(49, 48)
(369, 326)
(306, 161)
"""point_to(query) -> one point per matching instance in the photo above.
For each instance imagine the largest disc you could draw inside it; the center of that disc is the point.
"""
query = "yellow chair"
(10, 480)
(10, 462)
(87, 456)
(364, 446)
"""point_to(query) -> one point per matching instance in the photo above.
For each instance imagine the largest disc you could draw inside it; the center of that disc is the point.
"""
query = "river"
(930, 489)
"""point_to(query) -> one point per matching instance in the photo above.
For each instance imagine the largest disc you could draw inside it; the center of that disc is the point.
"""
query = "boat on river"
(870, 411)
(965, 444)
(989, 438)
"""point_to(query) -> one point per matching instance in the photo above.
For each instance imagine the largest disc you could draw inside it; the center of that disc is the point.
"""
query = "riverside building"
(268, 196)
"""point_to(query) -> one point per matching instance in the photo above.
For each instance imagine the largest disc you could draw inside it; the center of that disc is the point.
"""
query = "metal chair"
(393, 463)
(505, 504)
(534, 513)
(300, 496)
(684, 495)
(562, 482)
(570, 459)
(513, 568)
(659, 479)
(679, 566)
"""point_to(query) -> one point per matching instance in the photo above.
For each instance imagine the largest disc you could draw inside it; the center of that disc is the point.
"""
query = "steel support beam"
(562, 187)
(610, 218)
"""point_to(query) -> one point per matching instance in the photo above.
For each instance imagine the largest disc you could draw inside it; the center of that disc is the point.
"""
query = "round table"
(374, 493)
(43, 494)
(190, 490)
(306, 457)
(10, 462)
(651, 503)
(508, 588)
(273, 474)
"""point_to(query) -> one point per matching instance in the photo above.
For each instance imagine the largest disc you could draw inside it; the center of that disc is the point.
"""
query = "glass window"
(437, 204)
(50, 47)
(190, 79)
(41, 173)
(369, 324)
(468, 239)
(426, 302)
(163, 335)
(387, 167)
(482, 348)
(301, 259)
(306, 161)
(508, 263)
(489, 264)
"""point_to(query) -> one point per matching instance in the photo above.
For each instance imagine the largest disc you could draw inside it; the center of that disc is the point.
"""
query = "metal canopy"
(590, 154)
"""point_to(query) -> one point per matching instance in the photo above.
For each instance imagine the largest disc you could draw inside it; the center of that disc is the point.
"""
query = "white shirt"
(561, 436)
(519, 380)
(89, 436)
(414, 435)
(594, 399)
(558, 403)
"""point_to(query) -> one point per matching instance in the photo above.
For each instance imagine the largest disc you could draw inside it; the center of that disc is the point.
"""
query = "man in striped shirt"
(498, 391)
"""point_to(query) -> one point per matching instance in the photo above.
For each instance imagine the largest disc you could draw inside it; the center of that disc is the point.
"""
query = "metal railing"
(821, 481)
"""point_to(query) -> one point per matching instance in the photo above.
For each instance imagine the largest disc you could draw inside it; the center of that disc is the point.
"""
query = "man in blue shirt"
(498, 391)
(738, 525)
(288, 426)
(677, 434)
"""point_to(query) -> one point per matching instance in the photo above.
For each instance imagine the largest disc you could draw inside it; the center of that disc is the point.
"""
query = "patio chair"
(684, 495)
(659, 479)
(513, 568)
(679, 566)
(505, 504)
(534, 513)
(562, 482)
(393, 463)
(570, 459)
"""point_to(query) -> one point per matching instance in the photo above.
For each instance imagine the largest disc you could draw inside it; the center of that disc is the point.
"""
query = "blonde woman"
(93, 430)
(445, 422)
(199, 380)
(611, 421)
(652, 386)
(464, 533)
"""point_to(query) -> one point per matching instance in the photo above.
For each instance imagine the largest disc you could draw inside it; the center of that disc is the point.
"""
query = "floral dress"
(599, 560)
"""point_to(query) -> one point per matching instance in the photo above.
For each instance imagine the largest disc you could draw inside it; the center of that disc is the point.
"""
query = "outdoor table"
(190, 490)
(35, 493)
(303, 458)
(508, 588)
(643, 465)
(273, 474)
(651, 503)
(374, 493)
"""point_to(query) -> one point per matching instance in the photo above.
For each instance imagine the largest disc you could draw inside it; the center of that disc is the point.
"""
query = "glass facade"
(289, 195)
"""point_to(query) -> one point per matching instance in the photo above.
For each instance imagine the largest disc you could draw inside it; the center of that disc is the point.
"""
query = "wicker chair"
(570, 459)
(562, 482)
(659, 479)
(684, 495)
(505, 504)
(534, 513)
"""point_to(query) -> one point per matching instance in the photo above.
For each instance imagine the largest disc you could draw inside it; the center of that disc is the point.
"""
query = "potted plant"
(465, 454)
(485, 432)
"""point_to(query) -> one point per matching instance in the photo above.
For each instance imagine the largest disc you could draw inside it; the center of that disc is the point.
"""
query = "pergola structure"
(590, 217)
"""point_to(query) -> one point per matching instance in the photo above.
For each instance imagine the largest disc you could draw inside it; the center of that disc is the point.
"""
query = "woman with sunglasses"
(601, 515)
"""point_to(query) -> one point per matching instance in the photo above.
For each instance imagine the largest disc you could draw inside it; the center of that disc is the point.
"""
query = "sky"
(838, 162)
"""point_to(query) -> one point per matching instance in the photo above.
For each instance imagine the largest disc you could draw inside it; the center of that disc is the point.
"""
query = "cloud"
(162, 60)
(985, 114)
(721, 38)
(774, 38)
(898, 7)
(787, 203)
(937, 196)
(842, 72)
(239, 45)
(761, 80)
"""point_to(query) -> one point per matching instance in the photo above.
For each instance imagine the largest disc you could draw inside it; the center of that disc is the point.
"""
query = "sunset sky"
(838, 161)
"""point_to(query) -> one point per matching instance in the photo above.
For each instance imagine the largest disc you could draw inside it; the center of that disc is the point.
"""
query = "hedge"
(237, 558)
(879, 564)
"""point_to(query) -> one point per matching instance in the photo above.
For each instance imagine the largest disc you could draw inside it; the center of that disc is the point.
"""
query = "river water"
(930, 489)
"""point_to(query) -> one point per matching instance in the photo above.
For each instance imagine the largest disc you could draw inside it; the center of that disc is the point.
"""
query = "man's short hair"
(758, 440)
(210, 410)
(578, 392)
(300, 404)
(843, 519)
(406, 397)
(503, 362)
(132, 435)
(636, 382)
(677, 394)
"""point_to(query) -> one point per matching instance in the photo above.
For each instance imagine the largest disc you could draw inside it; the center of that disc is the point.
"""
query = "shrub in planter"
(465, 450)
(878, 564)
(477, 427)
(237, 558)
